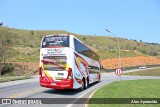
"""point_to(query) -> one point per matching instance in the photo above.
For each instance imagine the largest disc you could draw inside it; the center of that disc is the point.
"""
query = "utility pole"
(119, 53)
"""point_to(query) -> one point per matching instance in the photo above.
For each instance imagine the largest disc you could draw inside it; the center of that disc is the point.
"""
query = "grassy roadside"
(149, 72)
(6, 79)
(9, 76)
(129, 89)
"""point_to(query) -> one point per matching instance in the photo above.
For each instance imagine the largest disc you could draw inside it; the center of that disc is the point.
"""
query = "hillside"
(130, 61)
(26, 44)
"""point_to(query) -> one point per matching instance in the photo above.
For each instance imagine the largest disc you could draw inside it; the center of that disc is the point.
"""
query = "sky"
(132, 19)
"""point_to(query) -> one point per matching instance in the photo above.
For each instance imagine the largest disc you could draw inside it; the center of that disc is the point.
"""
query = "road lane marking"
(70, 105)
(23, 93)
(101, 86)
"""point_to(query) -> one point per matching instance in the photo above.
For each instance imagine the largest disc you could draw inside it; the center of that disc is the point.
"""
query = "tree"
(84, 38)
(5, 46)
(32, 32)
(1, 23)
(135, 40)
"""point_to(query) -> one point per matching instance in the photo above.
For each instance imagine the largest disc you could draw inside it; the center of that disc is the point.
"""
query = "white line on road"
(72, 103)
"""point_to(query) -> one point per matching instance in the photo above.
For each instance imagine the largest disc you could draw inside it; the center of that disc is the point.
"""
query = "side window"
(84, 50)
(78, 46)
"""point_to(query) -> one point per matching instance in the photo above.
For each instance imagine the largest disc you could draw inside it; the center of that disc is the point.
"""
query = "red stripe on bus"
(78, 80)
(79, 69)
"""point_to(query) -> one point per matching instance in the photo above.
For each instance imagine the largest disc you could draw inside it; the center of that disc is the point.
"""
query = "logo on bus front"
(49, 51)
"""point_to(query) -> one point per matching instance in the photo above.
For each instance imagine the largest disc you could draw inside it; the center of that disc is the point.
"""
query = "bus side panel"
(77, 76)
(83, 69)
(94, 75)
(74, 64)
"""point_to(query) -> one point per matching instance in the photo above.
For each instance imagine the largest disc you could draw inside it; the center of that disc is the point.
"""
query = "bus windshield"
(55, 41)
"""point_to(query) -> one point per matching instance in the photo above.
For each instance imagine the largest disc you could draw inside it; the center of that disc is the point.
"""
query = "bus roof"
(58, 35)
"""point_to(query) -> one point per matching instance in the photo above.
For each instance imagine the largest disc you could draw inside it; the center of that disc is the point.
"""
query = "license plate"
(60, 74)
(53, 83)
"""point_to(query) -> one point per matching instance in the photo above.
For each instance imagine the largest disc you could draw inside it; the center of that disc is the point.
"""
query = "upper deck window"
(55, 41)
(84, 50)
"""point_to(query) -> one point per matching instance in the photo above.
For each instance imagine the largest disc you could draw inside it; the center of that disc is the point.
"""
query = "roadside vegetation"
(22, 46)
(10, 72)
(148, 72)
(128, 89)
(7, 69)
(6, 79)
(26, 43)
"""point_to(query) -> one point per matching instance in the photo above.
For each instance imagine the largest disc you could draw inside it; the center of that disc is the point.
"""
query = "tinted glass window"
(55, 41)
(54, 63)
(78, 46)
(84, 50)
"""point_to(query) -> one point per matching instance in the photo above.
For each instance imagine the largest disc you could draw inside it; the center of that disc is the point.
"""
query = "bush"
(84, 38)
(32, 32)
(6, 68)
(31, 46)
(143, 50)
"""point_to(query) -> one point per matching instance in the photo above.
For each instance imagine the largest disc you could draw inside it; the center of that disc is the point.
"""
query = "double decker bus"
(67, 63)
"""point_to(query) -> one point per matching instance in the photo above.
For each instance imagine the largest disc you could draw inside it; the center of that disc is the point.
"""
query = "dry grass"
(149, 72)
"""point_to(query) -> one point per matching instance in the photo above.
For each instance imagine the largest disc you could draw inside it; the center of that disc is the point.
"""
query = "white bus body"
(67, 63)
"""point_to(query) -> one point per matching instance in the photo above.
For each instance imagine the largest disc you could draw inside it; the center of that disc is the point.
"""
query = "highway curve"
(30, 88)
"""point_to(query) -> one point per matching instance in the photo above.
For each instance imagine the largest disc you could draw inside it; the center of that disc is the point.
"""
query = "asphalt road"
(31, 89)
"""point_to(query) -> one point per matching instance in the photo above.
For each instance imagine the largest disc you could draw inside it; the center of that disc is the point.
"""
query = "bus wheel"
(86, 83)
(82, 85)
(99, 78)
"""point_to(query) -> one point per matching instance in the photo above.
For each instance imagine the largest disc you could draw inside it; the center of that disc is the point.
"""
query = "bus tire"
(99, 79)
(82, 85)
(86, 83)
